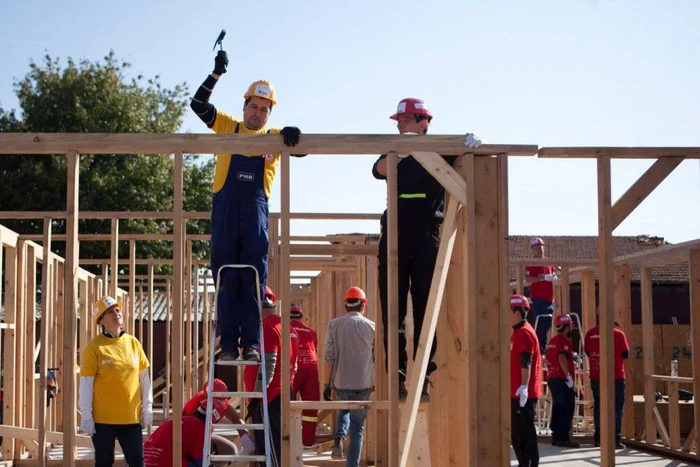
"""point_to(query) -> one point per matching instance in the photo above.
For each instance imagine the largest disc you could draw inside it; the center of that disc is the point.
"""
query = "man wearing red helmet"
(306, 382)
(349, 366)
(252, 377)
(158, 449)
(420, 206)
(591, 345)
(541, 280)
(560, 368)
(221, 408)
(241, 189)
(525, 384)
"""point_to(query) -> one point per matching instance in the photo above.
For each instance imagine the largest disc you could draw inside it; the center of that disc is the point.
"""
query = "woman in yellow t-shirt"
(115, 397)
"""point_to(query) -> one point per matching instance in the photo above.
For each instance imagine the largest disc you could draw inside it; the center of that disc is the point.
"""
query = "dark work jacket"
(421, 197)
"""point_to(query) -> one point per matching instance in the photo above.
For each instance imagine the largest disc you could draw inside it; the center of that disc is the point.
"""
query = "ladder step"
(237, 457)
(236, 363)
(251, 395)
(243, 426)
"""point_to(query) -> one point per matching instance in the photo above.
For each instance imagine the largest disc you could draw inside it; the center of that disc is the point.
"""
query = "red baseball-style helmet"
(519, 301)
(295, 311)
(219, 404)
(537, 241)
(562, 320)
(411, 106)
(270, 295)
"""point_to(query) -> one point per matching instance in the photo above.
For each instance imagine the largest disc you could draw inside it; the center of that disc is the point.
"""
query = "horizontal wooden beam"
(320, 216)
(661, 256)
(32, 434)
(658, 257)
(195, 237)
(553, 261)
(338, 405)
(619, 152)
(192, 143)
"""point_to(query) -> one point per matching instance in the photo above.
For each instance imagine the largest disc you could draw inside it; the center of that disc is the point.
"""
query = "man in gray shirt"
(349, 362)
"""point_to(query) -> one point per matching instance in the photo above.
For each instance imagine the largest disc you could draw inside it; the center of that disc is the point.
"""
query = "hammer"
(219, 40)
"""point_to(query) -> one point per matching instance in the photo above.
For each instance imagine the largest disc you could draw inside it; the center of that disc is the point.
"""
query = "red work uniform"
(158, 449)
(306, 381)
(523, 433)
(559, 344)
(272, 329)
(541, 290)
(522, 340)
(272, 333)
(591, 345)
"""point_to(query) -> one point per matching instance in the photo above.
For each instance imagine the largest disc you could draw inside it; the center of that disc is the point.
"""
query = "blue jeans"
(352, 422)
(619, 406)
(542, 307)
(563, 404)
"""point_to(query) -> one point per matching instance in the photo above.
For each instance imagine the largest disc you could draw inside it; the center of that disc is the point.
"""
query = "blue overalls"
(239, 236)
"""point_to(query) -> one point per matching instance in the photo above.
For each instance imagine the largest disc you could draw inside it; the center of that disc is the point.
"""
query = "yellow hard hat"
(262, 88)
(101, 306)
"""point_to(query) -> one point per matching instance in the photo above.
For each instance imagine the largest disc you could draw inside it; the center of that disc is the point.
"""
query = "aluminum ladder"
(207, 456)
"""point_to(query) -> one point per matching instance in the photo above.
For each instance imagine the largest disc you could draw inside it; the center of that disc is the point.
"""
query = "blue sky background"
(552, 73)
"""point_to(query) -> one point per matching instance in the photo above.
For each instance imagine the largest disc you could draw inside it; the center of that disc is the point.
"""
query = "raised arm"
(200, 104)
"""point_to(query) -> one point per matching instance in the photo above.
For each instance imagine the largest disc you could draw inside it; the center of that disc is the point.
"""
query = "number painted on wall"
(676, 352)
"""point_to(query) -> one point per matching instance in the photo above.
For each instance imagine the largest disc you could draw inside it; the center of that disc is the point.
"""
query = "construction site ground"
(585, 456)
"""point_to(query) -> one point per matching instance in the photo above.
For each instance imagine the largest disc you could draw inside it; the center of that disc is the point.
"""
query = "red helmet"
(269, 295)
(295, 311)
(219, 404)
(519, 301)
(355, 294)
(537, 241)
(412, 106)
(562, 320)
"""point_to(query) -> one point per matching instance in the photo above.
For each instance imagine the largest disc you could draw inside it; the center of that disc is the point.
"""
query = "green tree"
(99, 97)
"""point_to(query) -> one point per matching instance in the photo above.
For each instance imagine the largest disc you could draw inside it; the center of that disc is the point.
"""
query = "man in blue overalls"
(242, 187)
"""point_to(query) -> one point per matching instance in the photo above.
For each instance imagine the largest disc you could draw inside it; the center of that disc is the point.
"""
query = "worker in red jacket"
(158, 448)
(221, 408)
(306, 381)
(253, 378)
(525, 384)
(541, 279)
(591, 345)
(560, 368)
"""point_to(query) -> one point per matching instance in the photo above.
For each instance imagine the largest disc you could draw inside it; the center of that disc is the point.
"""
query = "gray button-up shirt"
(350, 348)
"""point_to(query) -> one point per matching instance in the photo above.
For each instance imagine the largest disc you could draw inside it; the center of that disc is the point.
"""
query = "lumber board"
(194, 143)
(617, 152)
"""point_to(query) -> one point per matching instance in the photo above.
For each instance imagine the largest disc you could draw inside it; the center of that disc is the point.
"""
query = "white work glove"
(247, 444)
(87, 426)
(522, 392)
(569, 382)
(472, 140)
(146, 418)
(550, 277)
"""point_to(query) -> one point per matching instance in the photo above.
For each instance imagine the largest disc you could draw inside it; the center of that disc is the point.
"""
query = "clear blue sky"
(552, 73)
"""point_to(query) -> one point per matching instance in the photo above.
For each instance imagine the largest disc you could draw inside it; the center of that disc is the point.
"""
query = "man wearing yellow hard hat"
(242, 187)
(115, 398)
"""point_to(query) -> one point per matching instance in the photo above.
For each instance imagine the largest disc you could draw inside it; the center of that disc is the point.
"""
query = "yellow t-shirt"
(226, 123)
(115, 364)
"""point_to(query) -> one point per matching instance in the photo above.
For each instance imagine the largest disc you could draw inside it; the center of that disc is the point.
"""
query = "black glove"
(253, 407)
(291, 135)
(220, 62)
(327, 394)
